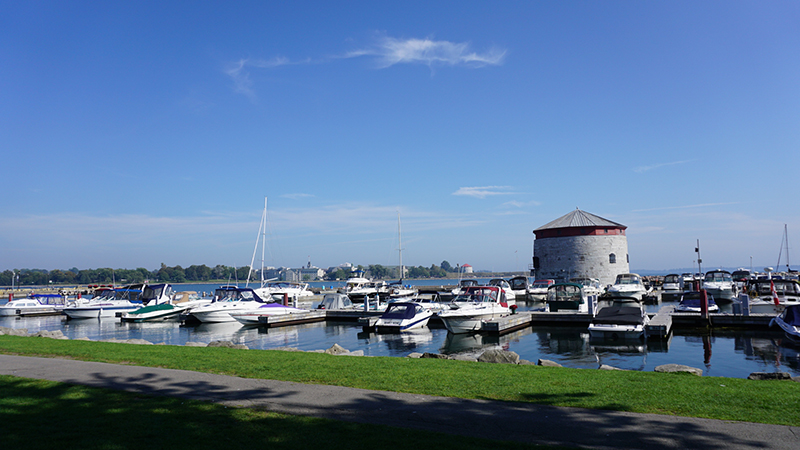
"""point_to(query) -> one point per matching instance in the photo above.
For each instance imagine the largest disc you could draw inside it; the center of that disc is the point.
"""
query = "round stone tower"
(580, 244)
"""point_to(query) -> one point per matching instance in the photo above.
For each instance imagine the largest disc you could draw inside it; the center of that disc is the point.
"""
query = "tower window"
(612, 259)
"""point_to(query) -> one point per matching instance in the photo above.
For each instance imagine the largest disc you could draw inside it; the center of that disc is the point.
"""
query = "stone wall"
(561, 258)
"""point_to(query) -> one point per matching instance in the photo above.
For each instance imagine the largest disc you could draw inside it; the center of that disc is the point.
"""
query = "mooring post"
(704, 304)
(285, 299)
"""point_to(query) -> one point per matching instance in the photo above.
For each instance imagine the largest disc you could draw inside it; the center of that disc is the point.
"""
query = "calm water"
(727, 354)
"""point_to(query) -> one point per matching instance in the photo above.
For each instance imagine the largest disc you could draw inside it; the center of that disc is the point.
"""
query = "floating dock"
(282, 320)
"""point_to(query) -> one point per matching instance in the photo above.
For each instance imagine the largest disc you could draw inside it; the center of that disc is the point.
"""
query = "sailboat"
(785, 244)
(397, 290)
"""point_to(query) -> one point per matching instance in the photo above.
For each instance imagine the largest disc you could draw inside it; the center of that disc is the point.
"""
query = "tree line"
(194, 273)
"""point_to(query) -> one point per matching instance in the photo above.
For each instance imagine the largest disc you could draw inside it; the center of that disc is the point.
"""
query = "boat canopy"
(693, 299)
(479, 294)
(335, 301)
(401, 310)
(628, 278)
(782, 287)
(565, 292)
(792, 315)
(619, 314)
(718, 275)
(518, 283)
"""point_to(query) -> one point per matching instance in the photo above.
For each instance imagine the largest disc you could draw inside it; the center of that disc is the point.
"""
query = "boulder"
(137, 342)
(336, 349)
(355, 353)
(769, 376)
(499, 357)
(226, 344)
(607, 367)
(414, 355)
(57, 334)
(463, 357)
(433, 355)
(14, 331)
(548, 363)
(674, 368)
(195, 344)
(525, 362)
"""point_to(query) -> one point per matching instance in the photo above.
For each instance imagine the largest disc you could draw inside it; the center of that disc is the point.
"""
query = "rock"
(57, 334)
(288, 349)
(433, 355)
(499, 357)
(336, 349)
(525, 362)
(607, 367)
(548, 363)
(769, 376)
(674, 368)
(82, 339)
(137, 342)
(195, 344)
(355, 353)
(15, 331)
(463, 357)
(226, 344)
(414, 355)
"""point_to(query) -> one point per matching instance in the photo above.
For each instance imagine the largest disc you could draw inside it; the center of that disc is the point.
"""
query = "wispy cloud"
(240, 75)
(389, 51)
(642, 169)
(518, 204)
(484, 191)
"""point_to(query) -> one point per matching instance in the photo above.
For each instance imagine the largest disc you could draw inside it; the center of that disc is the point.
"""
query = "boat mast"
(400, 246)
(261, 232)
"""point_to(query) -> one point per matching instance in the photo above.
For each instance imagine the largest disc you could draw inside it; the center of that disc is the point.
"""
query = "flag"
(774, 293)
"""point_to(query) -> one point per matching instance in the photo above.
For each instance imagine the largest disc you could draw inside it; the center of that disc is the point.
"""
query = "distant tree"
(419, 272)
(445, 265)
(378, 271)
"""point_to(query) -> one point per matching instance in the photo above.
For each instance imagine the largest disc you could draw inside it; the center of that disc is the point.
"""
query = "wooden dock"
(282, 320)
(660, 325)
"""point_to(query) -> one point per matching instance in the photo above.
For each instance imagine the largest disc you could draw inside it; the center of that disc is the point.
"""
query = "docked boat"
(38, 304)
(672, 287)
(591, 286)
(403, 316)
(511, 298)
(789, 321)
(179, 303)
(519, 286)
(740, 277)
(772, 296)
(252, 316)
(113, 304)
(229, 299)
(336, 301)
(462, 285)
(628, 286)
(360, 288)
(691, 301)
(538, 289)
(619, 321)
(285, 289)
(467, 312)
(720, 284)
(398, 291)
(567, 297)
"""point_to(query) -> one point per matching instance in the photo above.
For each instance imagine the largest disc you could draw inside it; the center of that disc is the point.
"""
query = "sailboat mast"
(786, 237)
(263, 239)
(400, 245)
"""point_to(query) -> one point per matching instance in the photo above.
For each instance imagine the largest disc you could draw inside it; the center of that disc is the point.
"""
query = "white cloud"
(390, 51)
(642, 169)
(483, 191)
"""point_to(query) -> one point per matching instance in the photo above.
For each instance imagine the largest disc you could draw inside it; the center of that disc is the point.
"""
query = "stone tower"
(580, 244)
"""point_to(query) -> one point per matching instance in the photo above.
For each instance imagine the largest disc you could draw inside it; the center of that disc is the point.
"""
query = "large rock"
(226, 344)
(548, 363)
(674, 368)
(607, 367)
(433, 355)
(769, 376)
(195, 344)
(414, 355)
(499, 357)
(14, 331)
(336, 349)
(57, 334)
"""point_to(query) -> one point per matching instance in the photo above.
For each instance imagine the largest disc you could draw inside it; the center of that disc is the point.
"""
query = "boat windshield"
(628, 279)
(478, 295)
(564, 293)
(541, 283)
(718, 276)
(671, 279)
(782, 287)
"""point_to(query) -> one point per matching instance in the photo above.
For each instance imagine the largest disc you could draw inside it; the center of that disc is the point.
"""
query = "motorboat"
(772, 296)
(403, 316)
(628, 286)
(360, 288)
(113, 303)
(228, 299)
(398, 291)
(336, 301)
(567, 297)
(619, 321)
(252, 316)
(463, 284)
(740, 277)
(519, 286)
(538, 289)
(179, 303)
(691, 301)
(591, 286)
(291, 290)
(672, 287)
(511, 298)
(467, 312)
(789, 321)
(720, 284)
(37, 304)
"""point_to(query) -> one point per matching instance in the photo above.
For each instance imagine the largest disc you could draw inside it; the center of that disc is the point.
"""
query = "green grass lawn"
(774, 402)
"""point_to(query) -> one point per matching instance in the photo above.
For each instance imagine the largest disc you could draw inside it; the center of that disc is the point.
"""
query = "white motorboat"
(789, 321)
(397, 291)
(628, 286)
(336, 301)
(772, 296)
(591, 286)
(358, 288)
(511, 298)
(38, 304)
(462, 285)
(115, 303)
(538, 289)
(252, 316)
(720, 284)
(228, 299)
(467, 312)
(567, 297)
(285, 289)
(179, 303)
(619, 321)
(671, 287)
(691, 301)
(519, 286)
(403, 316)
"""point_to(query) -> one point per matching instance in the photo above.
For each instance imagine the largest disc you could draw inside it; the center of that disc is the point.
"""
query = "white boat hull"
(616, 331)
(94, 312)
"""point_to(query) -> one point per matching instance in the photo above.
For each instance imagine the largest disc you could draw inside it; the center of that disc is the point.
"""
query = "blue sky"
(141, 133)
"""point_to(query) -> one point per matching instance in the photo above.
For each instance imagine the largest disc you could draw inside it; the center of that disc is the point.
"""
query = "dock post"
(285, 299)
(704, 304)
(592, 304)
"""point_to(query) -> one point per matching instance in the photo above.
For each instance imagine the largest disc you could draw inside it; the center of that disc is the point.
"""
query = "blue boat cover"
(792, 315)
(400, 311)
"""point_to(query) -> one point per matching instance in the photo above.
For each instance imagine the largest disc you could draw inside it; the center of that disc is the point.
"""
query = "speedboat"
(591, 286)
(336, 301)
(789, 321)
(113, 304)
(538, 289)
(228, 299)
(619, 321)
(511, 298)
(38, 304)
(628, 286)
(462, 285)
(690, 302)
(720, 284)
(360, 288)
(252, 316)
(567, 297)
(772, 296)
(672, 286)
(179, 303)
(287, 289)
(468, 311)
(519, 286)
(403, 316)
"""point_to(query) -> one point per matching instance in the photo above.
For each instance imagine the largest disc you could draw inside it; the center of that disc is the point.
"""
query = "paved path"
(572, 427)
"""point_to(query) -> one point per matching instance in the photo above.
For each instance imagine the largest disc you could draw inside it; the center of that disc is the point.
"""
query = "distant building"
(580, 244)
(466, 268)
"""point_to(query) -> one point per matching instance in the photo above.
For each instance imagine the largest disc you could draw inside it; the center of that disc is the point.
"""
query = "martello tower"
(580, 244)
